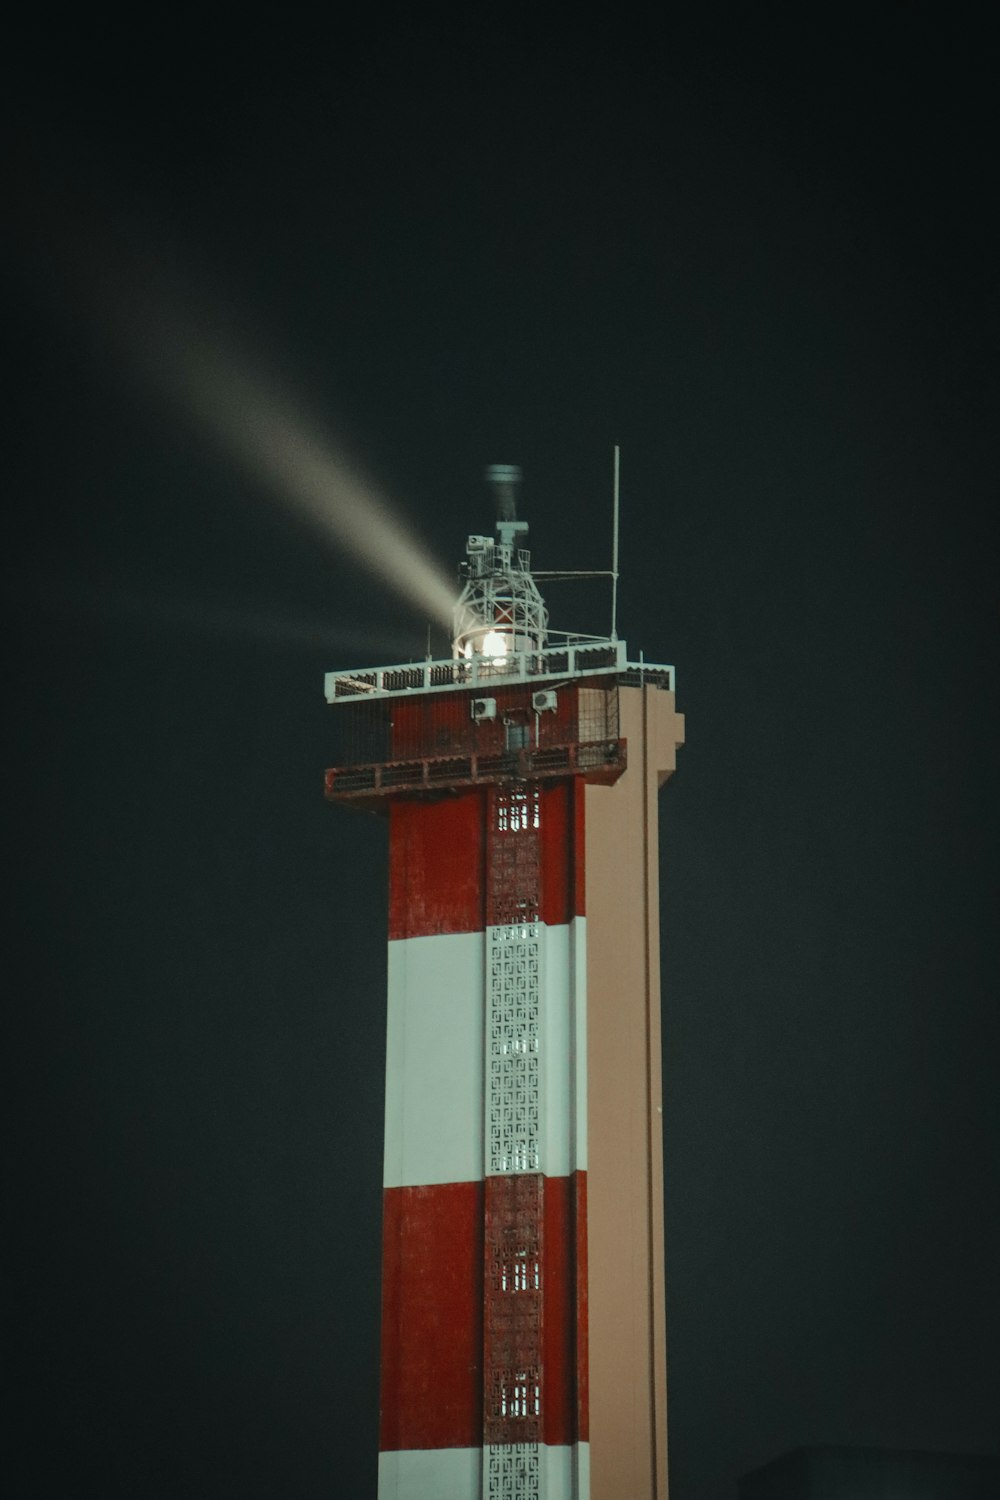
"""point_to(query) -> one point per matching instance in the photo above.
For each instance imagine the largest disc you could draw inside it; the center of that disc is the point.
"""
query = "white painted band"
(435, 1056)
(456, 1473)
(434, 1060)
(563, 1049)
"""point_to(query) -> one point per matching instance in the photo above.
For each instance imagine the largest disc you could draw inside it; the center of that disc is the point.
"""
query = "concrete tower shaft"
(522, 1308)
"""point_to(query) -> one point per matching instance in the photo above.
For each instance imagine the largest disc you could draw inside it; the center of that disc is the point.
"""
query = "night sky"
(760, 258)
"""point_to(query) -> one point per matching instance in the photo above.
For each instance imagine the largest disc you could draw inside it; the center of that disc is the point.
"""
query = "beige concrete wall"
(628, 1390)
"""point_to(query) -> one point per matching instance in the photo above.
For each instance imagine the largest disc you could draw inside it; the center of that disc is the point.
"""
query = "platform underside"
(600, 762)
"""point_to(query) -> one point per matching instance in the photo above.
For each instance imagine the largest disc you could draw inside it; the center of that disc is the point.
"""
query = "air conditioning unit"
(484, 708)
(544, 701)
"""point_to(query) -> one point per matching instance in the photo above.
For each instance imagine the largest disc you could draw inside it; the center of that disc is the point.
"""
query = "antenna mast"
(614, 554)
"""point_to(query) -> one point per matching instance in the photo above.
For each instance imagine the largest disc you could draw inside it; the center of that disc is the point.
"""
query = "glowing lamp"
(495, 643)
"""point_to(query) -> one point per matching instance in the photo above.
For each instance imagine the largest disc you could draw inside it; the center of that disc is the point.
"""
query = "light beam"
(274, 442)
(115, 279)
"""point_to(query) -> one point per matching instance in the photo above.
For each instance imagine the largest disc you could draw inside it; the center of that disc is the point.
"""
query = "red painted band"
(564, 1326)
(437, 865)
(437, 860)
(433, 1306)
(432, 1317)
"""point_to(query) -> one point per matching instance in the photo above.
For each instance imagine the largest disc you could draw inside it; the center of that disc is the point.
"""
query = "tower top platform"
(591, 658)
(500, 627)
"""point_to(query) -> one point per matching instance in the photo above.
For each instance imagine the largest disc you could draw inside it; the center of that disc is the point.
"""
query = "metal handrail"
(384, 778)
(597, 658)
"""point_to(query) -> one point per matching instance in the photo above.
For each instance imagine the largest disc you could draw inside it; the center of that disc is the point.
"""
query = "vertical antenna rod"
(614, 555)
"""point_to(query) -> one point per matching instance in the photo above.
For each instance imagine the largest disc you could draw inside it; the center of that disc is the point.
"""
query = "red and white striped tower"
(523, 1343)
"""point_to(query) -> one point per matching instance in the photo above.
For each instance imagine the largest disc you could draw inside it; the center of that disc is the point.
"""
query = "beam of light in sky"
(108, 269)
(275, 443)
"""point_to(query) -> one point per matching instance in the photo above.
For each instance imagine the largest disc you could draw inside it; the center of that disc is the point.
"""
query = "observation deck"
(572, 660)
(435, 727)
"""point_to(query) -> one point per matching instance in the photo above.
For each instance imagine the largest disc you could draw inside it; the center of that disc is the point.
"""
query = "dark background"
(758, 255)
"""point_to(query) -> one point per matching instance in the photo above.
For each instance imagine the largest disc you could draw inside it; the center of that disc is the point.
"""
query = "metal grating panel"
(514, 877)
(513, 982)
(512, 1471)
(513, 1305)
(513, 1125)
(512, 1333)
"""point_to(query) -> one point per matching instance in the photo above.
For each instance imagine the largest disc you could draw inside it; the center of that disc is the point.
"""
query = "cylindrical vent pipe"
(504, 479)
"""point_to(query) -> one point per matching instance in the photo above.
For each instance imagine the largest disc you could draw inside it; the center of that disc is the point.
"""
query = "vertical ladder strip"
(513, 1377)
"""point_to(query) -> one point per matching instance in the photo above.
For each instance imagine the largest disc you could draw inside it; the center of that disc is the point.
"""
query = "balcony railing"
(590, 660)
(601, 761)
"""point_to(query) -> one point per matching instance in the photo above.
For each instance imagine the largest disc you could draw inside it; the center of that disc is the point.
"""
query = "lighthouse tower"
(523, 1353)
